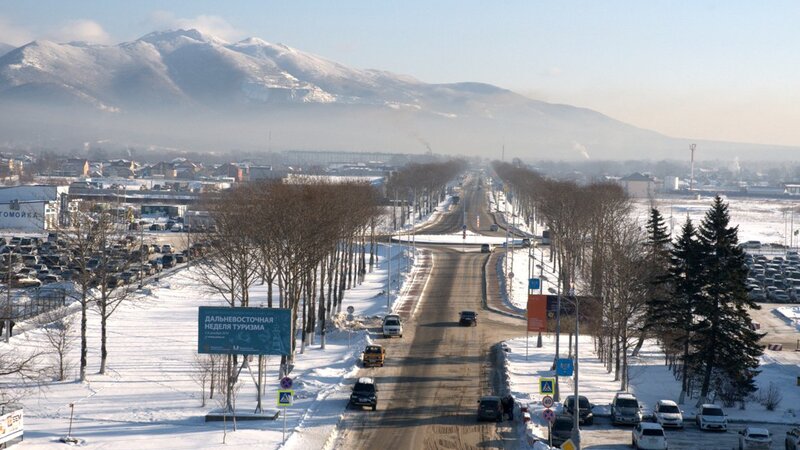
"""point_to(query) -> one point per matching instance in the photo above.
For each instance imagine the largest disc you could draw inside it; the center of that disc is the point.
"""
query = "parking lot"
(602, 435)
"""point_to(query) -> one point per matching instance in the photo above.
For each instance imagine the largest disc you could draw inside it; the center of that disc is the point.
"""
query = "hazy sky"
(723, 70)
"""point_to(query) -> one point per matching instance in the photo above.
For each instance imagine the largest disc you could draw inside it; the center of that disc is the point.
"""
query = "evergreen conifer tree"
(723, 340)
(658, 258)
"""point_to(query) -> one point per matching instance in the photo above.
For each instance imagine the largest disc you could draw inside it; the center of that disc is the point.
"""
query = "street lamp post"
(576, 431)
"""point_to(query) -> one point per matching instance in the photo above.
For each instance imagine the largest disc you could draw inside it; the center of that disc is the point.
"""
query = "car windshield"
(364, 388)
(584, 402)
(372, 350)
(489, 403)
(758, 436)
(712, 412)
(562, 425)
(626, 403)
(668, 409)
(652, 432)
(468, 314)
(392, 322)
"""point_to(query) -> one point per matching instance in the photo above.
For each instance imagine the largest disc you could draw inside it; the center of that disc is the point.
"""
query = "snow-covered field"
(149, 399)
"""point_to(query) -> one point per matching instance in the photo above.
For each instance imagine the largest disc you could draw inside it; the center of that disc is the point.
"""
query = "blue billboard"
(244, 331)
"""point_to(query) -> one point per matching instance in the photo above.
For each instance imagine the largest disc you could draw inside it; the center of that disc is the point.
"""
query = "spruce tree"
(674, 313)
(722, 337)
(657, 267)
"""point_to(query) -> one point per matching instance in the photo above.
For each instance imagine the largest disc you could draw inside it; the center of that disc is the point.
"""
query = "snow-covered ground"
(766, 220)
(791, 313)
(149, 399)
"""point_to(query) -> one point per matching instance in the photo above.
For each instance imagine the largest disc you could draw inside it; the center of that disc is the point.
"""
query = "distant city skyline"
(720, 70)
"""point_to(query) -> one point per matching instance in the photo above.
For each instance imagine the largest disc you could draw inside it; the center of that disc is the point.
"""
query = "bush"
(771, 399)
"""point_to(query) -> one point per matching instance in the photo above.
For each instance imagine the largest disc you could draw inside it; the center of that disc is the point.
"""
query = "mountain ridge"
(188, 78)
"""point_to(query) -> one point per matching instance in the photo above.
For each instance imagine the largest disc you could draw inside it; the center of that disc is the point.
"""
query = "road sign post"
(285, 399)
(547, 386)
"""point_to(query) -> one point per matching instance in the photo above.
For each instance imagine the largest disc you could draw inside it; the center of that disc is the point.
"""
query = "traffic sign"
(286, 383)
(464, 227)
(564, 367)
(534, 283)
(511, 275)
(350, 309)
(547, 401)
(285, 398)
(569, 445)
(549, 415)
(547, 386)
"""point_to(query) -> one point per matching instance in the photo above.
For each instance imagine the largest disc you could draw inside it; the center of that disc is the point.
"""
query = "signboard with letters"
(537, 312)
(244, 331)
(11, 425)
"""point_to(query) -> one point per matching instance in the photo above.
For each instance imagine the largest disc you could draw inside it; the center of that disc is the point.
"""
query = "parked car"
(780, 296)
(365, 393)
(667, 414)
(180, 258)
(24, 281)
(792, 441)
(176, 228)
(490, 408)
(752, 438)
(584, 409)
(157, 227)
(168, 261)
(648, 435)
(392, 326)
(625, 409)
(493, 227)
(561, 430)
(758, 294)
(711, 417)
(166, 248)
(468, 318)
(156, 263)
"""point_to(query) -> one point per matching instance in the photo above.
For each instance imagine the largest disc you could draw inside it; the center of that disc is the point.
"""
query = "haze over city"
(717, 71)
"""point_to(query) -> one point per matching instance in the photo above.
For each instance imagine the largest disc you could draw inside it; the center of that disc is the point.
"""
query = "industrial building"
(35, 208)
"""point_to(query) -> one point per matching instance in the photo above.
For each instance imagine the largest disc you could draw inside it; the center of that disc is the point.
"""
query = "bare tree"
(60, 333)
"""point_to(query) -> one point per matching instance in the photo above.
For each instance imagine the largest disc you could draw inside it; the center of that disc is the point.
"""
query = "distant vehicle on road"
(392, 326)
(485, 248)
(490, 408)
(493, 227)
(468, 318)
(374, 356)
(365, 393)
(711, 417)
(648, 435)
(561, 430)
(755, 439)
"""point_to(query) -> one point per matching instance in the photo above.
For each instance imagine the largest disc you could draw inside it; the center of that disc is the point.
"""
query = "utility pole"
(576, 431)
(7, 325)
(691, 180)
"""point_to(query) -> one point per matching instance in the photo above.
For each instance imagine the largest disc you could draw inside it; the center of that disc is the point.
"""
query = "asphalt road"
(434, 375)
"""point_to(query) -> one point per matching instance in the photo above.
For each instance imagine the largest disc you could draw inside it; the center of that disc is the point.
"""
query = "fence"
(28, 303)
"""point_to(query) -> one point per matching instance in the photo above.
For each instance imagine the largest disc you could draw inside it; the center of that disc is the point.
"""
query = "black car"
(561, 430)
(168, 261)
(585, 409)
(365, 393)
(490, 408)
(468, 318)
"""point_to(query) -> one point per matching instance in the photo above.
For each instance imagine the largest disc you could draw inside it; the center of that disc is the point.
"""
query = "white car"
(754, 439)
(793, 439)
(711, 417)
(392, 326)
(668, 414)
(648, 435)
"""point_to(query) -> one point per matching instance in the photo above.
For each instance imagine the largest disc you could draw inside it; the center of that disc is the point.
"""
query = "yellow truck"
(374, 356)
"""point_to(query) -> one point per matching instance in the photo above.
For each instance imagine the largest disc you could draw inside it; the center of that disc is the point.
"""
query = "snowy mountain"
(5, 48)
(188, 89)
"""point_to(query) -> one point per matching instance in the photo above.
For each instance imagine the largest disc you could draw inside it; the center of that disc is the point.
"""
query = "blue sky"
(726, 70)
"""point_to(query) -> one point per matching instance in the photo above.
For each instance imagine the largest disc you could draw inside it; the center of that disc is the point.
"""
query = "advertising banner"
(11, 426)
(244, 331)
(537, 312)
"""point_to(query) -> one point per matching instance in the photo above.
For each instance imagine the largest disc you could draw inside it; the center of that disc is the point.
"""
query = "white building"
(36, 208)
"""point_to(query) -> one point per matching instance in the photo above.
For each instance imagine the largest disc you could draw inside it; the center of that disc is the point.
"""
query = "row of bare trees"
(599, 251)
(312, 240)
(417, 188)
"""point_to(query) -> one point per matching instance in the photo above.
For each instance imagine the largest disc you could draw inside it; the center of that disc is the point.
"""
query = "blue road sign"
(285, 398)
(547, 386)
(464, 227)
(286, 383)
(564, 367)
(533, 283)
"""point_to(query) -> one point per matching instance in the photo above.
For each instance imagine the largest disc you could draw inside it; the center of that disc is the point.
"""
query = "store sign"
(11, 426)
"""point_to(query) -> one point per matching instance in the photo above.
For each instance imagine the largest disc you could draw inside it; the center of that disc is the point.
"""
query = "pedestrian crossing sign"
(285, 397)
(547, 386)
(568, 445)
